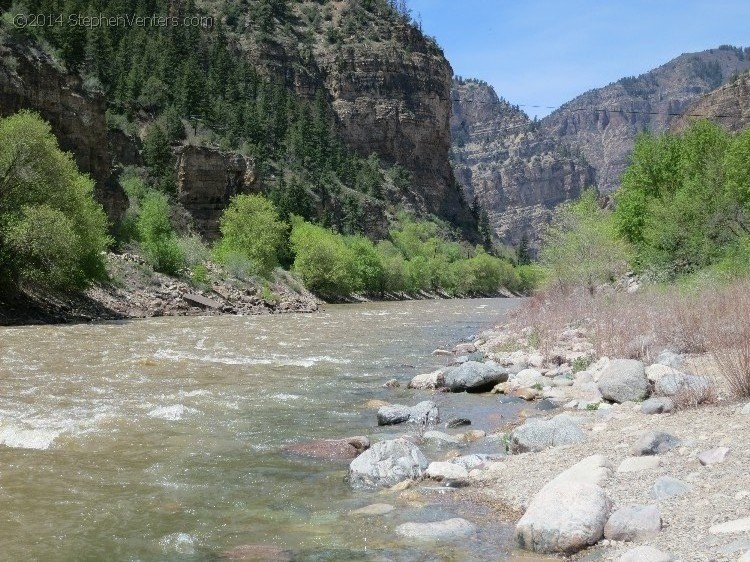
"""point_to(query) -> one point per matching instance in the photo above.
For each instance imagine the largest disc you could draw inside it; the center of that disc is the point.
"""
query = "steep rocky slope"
(603, 123)
(388, 85)
(516, 171)
(728, 105)
(30, 79)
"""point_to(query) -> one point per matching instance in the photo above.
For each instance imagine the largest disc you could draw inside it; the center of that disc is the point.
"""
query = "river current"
(162, 439)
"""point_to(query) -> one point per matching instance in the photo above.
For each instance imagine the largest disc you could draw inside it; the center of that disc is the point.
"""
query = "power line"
(598, 109)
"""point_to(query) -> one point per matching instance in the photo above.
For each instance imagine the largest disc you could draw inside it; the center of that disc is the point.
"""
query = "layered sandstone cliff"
(206, 181)
(517, 173)
(728, 105)
(30, 79)
(604, 122)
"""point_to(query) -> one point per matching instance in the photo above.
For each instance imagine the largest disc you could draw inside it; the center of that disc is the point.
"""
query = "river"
(162, 439)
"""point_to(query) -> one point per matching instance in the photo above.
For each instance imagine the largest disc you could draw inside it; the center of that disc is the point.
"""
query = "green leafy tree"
(323, 260)
(156, 235)
(581, 248)
(52, 232)
(250, 226)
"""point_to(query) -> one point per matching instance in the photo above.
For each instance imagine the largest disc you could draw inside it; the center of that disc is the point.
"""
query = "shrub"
(250, 226)
(194, 250)
(52, 232)
(323, 260)
(581, 247)
(158, 241)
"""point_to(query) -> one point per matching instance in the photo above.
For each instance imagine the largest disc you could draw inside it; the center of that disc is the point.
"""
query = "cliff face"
(388, 87)
(728, 105)
(602, 123)
(206, 180)
(31, 80)
(517, 172)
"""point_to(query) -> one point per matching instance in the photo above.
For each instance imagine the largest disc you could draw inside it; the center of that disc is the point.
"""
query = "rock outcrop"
(207, 179)
(517, 172)
(602, 123)
(387, 84)
(30, 79)
(728, 105)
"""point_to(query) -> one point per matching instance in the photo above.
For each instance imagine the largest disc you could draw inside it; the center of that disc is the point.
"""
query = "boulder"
(673, 384)
(457, 422)
(713, 456)
(670, 358)
(528, 394)
(441, 439)
(424, 413)
(449, 529)
(645, 554)
(654, 443)
(657, 371)
(537, 434)
(660, 405)
(347, 448)
(428, 381)
(387, 463)
(474, 377)
(373, 509)
(446, 471)
(528, 378)
(473, 435)
(392, 383)
(745, 409)
(478, 460)
(442, 352)
(667, 487)
(569, 513)
(624, 380)
(633, 522)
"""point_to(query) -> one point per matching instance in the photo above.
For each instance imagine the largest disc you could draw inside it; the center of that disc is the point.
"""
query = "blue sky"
(545, 52)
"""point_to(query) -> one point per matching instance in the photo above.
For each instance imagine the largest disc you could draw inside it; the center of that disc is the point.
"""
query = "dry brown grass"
(713, 319)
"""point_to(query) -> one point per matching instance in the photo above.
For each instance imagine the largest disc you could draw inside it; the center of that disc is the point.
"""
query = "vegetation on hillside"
(52, 232)
(683, 209)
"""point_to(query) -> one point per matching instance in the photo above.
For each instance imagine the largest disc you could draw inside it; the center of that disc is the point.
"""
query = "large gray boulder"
(633, 522)
(387, 463)
(424, 413)
(537, 434)
(570, 512)
(427, 381)
(449, 529)
(678, 383)
(473, 376)
(624, 380)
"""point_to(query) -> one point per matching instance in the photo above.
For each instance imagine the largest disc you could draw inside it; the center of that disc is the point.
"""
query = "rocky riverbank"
(136, 291)
(632, 462)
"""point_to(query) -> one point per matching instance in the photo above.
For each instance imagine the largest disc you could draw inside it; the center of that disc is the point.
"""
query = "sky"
(545, 52)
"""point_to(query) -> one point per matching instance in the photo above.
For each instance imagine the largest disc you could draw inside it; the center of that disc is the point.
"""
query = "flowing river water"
(162, 439)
